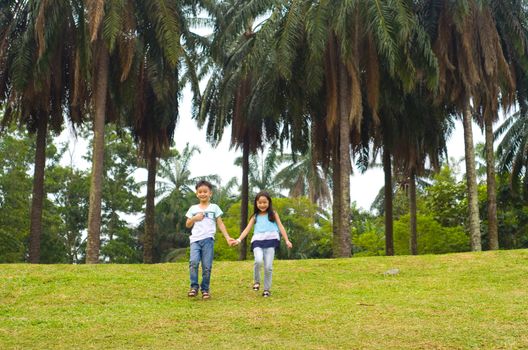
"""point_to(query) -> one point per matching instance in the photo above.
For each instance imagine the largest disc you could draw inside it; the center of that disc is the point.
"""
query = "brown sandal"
(206, 295)
(192, 293)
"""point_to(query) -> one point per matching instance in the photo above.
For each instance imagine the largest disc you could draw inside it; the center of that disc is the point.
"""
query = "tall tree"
(473, 70)
(512, 151)
(101, 58)
(237, 90)
(387, 199)
(40, 55)
(512, 25)
(166, 65)
(344, 45)
(149, 35)
(262, 172)
(303, 177)
(339, 46)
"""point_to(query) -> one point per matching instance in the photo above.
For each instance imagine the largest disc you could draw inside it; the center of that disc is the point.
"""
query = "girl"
(265, 238)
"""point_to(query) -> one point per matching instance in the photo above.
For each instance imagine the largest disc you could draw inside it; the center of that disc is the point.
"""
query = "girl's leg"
(269, 255)
(259, 261)
(194, 262)
(207, 262)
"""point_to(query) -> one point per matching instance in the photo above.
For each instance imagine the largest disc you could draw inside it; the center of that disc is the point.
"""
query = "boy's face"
(204, 194)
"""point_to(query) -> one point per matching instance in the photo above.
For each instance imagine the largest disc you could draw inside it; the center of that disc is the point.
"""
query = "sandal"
(256, 286)
(206, 295)
(266, 293)
(192, 293)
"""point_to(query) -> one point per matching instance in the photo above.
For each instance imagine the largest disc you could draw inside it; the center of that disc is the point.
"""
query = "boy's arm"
(282, 231)
(223, 229)
(190, 221)
(246, 230)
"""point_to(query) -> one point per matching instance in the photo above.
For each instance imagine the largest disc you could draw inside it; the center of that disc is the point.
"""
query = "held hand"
(198, 217)
(233, 242)
(289, 244)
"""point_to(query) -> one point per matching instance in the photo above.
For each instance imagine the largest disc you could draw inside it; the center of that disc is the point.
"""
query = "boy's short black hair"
(204, 183)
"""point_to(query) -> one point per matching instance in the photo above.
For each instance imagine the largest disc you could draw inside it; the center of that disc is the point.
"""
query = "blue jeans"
(203, 251)
(264, 256)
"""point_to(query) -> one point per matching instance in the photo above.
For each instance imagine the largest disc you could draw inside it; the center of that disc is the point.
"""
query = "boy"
(203, 218)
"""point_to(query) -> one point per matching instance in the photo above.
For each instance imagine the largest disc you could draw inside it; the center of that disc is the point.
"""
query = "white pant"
(264, 256)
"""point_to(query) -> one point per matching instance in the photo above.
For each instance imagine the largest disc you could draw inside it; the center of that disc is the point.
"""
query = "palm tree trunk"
(412, 206)
(37, 200)
(96, 184)
(471, 179)
(389, 230)
(245, 197)
(344, 161)
(493, 235)
(150, 229)
(336, 202)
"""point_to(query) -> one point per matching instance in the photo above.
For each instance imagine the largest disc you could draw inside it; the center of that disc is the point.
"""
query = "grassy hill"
(455, 301)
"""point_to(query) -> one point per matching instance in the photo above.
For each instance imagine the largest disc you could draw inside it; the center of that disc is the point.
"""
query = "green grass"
(454, 301)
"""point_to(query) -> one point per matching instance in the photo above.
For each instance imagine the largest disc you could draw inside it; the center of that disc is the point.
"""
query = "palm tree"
(238, 89)
(412, 130)
(154, 114)
(262, 172)
(511, 22)
(41, 79)
(154, 84)
(387, 201)
(302, 177)
(175, 175)
(117, 30)
(472, 69)
(512, 150)
(96, 11)
(339, 46)
(423, 133)
(356, 42)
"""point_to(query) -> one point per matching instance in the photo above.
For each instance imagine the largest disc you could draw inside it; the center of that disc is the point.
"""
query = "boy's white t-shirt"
(207, 227)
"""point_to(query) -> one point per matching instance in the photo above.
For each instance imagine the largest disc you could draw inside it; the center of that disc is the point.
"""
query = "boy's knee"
(193, 264)
(259, 262)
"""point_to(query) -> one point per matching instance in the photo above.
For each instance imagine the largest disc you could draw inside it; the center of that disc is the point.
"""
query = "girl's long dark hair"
(270, 211)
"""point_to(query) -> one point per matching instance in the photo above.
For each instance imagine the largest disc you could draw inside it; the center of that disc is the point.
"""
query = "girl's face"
(262, 204)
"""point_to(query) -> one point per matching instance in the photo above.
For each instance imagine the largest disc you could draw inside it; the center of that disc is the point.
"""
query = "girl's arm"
(283, 231)
(247, 229)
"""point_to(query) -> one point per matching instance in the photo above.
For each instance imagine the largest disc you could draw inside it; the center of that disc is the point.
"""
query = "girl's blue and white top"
(207, 227)
(266, 233)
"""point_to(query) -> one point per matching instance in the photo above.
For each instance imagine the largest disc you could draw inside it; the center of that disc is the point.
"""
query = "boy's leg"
(259, 261)
(194, 262)
(269, 254)
(207, 262)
